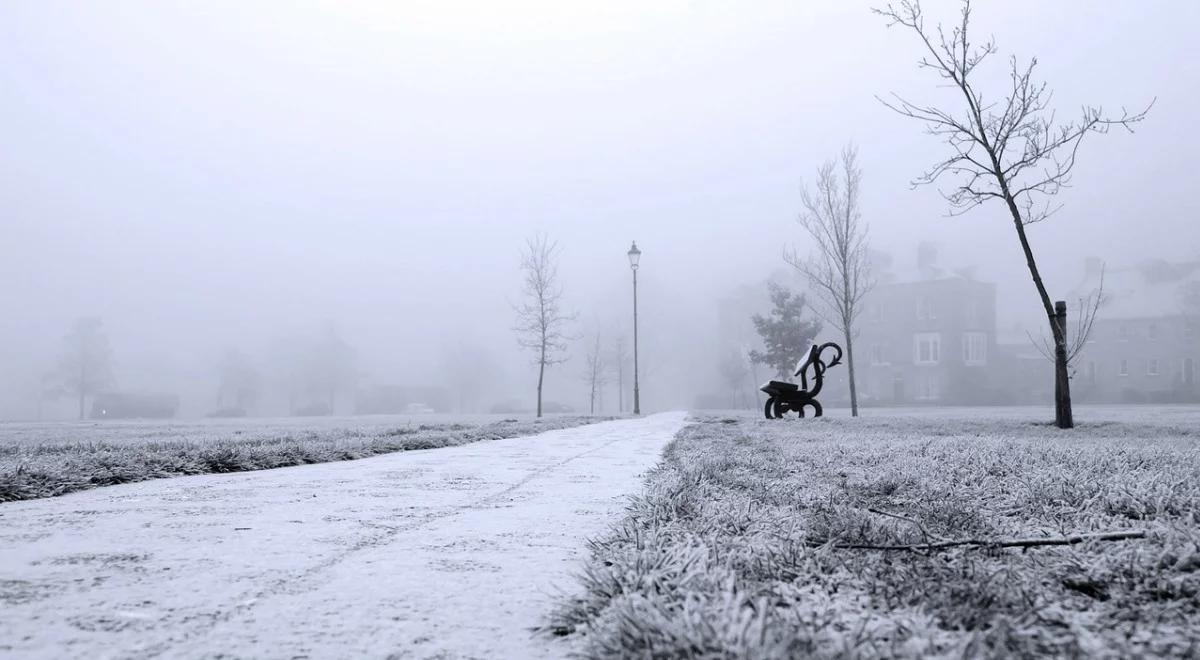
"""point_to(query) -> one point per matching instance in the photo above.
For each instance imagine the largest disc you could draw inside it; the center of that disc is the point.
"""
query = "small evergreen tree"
(786, 335)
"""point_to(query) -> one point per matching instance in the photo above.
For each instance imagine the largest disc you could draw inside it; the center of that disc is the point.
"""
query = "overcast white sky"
(212, 174)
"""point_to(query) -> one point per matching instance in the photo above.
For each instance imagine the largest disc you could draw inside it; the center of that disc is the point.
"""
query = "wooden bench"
(784, 397)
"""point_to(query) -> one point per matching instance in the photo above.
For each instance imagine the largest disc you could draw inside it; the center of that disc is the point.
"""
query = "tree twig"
(924, 532)
(991, 543)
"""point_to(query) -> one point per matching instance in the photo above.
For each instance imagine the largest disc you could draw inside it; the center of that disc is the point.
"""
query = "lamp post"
(635, 255)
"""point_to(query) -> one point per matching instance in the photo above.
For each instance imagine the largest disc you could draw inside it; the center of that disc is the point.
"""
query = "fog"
(255, 176)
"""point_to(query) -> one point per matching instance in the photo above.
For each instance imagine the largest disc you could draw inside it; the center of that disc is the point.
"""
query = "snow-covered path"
(447, 553)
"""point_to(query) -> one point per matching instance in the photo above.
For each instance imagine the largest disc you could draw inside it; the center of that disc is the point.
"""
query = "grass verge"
(732, 551)
(47, 469)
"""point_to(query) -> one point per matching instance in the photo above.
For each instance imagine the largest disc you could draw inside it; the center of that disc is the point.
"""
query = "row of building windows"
(926, 311)
(1187, 369)
(1127, 332)
(927, 349)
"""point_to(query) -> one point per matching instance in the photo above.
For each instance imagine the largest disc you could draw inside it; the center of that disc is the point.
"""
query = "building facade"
(928, 341)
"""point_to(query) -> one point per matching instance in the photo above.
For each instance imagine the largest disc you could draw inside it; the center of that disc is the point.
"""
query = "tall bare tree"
(1005, 146)
(86, 364)
(620, 356)
(596, 373)
(837, 268)
(541, 322)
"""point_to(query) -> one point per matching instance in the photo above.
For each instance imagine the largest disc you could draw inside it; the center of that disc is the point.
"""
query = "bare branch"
(1073, 539)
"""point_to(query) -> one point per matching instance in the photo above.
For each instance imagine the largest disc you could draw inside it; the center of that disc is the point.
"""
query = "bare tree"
(838, 269)
(620, 358)
(1077, 340)
(596, 374)
(1008, 148)
(541, 321)
(86, 364)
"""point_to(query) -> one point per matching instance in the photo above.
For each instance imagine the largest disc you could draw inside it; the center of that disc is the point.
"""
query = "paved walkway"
(447, 553)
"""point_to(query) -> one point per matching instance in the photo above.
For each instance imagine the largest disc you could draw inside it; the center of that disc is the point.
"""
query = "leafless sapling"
(837, 268)
(541, 322)
(596, 373)
(620, 356)
(86, 364)
(1006, 146)
(1077, 340)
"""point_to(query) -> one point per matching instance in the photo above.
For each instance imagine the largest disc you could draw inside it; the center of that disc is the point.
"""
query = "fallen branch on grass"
(924, 532)
(990, 543)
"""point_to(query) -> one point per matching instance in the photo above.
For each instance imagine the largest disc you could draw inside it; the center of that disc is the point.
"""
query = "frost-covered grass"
(731, 550)
(48, 459)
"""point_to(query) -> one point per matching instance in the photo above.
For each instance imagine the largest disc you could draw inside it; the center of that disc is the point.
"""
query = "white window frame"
(1152, 367)
(877, 313)
(1124, 368)
(974, 313)
(976, 340)
(879, 355)
(925, 309)
(931, 389)
(1124, 333)
(1152, 332)
(934, 341)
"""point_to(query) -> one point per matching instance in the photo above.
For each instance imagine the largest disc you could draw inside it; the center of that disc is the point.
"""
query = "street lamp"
(635, 255)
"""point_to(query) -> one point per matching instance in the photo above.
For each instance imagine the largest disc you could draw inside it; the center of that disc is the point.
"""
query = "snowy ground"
(454, 552)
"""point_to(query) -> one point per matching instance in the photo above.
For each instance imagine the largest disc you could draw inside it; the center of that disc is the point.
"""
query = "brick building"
(1145, 344)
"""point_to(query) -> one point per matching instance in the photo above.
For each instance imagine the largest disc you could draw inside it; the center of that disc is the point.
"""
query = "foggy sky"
(205, 175)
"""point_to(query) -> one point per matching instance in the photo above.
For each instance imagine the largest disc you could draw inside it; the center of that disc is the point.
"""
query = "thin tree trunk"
(1063, 415)
(541, 377)
(82, 382)
(850, 366)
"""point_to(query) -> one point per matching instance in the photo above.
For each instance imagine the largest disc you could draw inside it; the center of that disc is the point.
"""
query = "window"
(930, 388)
(1152, 332)
(878, 354)
(927, 348)
(1124, 368)
(877, 313)
(1189, 371)
(975, 348)
(1089, 372)
(925, 309)
(1124, 333)
(1151, 367)
(973, 315)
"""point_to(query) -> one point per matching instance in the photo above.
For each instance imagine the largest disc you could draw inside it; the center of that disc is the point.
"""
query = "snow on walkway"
(447, 553)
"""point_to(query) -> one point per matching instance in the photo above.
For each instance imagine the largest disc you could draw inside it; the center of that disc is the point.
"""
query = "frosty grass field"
(746, 540)
(736, 548)
(48, 459)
